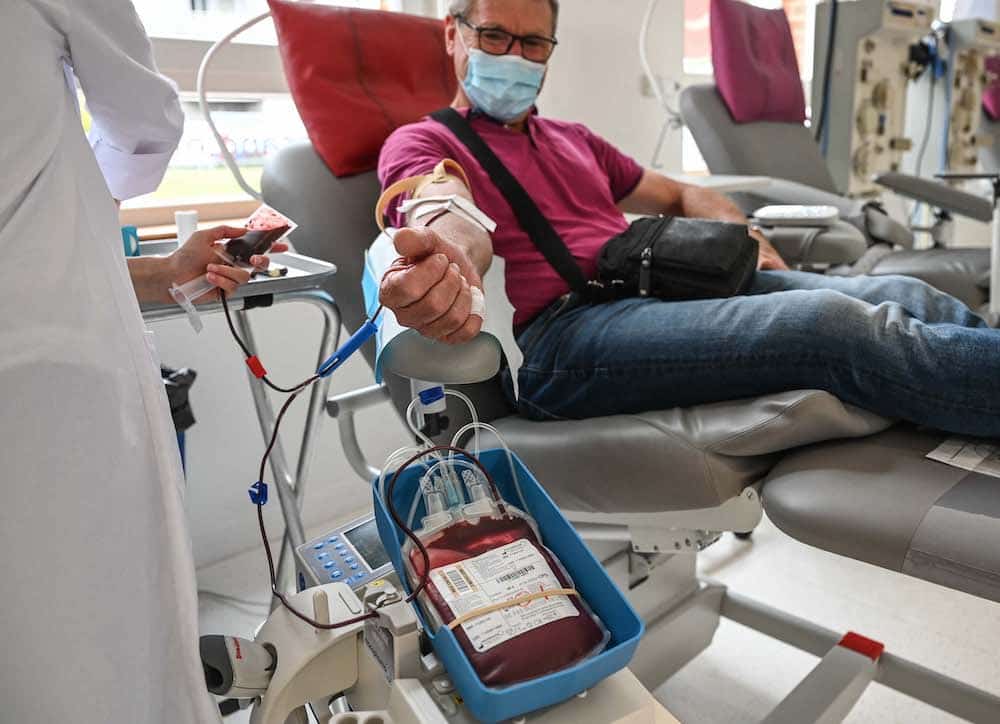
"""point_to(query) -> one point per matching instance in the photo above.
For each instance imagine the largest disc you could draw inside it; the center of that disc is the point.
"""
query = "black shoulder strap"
(538, 228)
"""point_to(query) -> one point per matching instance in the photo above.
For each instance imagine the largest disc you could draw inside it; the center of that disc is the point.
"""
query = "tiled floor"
(744, 674)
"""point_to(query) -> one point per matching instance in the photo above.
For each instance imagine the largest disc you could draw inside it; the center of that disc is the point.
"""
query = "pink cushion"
(358, 75)
(991, 95)
(756, 70)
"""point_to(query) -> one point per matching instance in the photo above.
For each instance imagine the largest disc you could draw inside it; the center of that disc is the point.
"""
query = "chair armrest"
(407, 353)
(938, 194)
(413, 356)
(841, 243)
(780, 191)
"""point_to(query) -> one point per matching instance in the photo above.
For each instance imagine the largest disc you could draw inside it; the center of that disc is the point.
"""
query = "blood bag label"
(501, 575)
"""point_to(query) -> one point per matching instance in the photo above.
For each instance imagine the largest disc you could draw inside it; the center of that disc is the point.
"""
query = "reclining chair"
(989, 124)
(647, 491)
(780, 147)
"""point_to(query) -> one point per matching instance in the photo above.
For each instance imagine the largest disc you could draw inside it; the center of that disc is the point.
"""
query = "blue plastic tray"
(591, 580)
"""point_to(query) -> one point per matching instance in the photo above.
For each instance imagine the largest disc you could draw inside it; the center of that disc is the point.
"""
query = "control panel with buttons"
(351, 554)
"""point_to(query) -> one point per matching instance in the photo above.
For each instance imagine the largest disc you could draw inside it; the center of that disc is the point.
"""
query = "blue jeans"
(893, 345)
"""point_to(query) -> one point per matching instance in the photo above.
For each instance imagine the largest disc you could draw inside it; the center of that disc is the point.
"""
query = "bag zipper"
(645, 271)
(646, 257)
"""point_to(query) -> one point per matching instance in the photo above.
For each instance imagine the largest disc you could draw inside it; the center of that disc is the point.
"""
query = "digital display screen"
(366, 542)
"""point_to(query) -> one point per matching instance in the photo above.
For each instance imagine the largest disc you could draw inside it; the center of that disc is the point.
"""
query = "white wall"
(595, 73)
(225, 446)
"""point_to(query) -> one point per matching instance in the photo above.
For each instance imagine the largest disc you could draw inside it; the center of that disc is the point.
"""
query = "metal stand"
(290, 486)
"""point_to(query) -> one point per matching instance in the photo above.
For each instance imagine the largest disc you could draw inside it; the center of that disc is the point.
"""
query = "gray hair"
(466, 7)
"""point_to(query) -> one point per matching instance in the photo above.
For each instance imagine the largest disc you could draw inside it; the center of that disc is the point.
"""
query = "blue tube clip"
(258, 493)
(366, 332)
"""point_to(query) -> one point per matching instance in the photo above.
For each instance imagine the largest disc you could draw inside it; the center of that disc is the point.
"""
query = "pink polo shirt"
(574, 176)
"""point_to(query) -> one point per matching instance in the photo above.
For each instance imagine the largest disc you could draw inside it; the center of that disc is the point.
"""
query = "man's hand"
(768, 257)
(429, 287)
(197, 256)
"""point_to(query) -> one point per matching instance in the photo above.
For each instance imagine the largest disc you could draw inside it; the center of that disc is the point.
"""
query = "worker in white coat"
(99, 621)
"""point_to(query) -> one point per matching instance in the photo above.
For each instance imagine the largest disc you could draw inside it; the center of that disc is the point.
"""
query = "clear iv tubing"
(411, 423)
(185, 294)
(403, 453)
(227, 156)
(428, 443)
(477, 426)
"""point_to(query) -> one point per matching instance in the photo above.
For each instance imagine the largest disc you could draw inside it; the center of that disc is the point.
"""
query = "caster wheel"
(744, 536)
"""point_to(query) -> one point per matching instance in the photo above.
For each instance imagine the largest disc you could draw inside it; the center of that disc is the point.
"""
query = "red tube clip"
(256, 367)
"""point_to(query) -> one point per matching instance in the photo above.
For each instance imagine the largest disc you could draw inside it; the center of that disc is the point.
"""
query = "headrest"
(357, 75)
(756, 70)
(991, 94)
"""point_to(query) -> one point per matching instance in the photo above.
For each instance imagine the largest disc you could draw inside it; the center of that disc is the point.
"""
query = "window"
(247, 95)
(253, 126)
(211, 19)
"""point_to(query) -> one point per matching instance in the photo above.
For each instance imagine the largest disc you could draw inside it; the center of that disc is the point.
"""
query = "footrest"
(880, 500)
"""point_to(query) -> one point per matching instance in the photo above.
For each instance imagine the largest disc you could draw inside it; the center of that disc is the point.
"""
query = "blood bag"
(490, 572)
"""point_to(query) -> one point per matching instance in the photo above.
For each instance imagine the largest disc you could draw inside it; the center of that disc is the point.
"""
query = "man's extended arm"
(429, 286)
(657, 194)
(472, 238)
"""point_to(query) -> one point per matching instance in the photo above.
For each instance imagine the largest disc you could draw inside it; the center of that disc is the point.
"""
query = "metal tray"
(304, 273)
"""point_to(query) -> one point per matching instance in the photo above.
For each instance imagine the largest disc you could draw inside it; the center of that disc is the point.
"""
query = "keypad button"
(329, 564)
(319, 546)
(333, 539)
(354, 566)
(350, 559)
(339, 546)
(322, 556)
(336, 574)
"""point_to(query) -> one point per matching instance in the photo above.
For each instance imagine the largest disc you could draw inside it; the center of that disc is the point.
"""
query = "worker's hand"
(768, 257)
(429, 288)
(197, 256)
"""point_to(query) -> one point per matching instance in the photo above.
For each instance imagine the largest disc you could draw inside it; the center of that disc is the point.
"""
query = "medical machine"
(863, 105)
(351, 553)
(376, 672)
(970, 42)
(943, 105)
(487, 611)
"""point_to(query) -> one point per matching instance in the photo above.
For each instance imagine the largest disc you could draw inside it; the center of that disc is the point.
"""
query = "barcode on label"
(516, 574)
(458, 582)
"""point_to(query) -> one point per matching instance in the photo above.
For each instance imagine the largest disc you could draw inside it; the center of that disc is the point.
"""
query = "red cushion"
(756, 70)
(357, 75)
(991, 94)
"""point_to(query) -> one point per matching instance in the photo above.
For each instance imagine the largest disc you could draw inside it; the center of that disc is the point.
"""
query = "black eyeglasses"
(496, 41)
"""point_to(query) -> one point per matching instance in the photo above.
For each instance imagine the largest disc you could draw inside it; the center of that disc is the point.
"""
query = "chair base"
(682, 614)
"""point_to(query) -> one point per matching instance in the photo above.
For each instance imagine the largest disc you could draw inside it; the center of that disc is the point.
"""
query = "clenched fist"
(429, 288)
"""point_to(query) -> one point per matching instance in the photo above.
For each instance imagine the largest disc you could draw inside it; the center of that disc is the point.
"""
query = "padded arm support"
(938, 194)
(842, 243)
(413, 356)
(781, 191)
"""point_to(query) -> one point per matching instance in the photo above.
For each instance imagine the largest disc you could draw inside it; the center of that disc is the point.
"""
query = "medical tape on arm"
(517, 601)
(446, 170)
(424, 206)
(415, 184)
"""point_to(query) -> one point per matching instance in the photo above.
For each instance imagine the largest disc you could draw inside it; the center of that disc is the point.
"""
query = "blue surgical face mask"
(503, 87)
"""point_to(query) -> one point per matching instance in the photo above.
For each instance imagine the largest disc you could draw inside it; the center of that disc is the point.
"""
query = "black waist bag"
(665, 257)
(670, 257)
